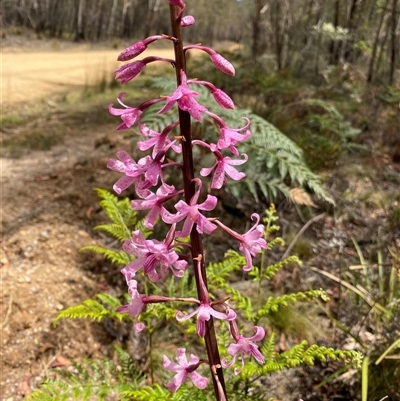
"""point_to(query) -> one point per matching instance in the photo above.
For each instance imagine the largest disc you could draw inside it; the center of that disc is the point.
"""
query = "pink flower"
(204, 313)
(136, 306)
(154, 202)
(160, 141)
(222, 166)
(185, 98)
(251, 242)
(183, 370)
(130, 168)
(244, 346)
(192, 214)
(153, 253)
(229, 137)
(130, 115)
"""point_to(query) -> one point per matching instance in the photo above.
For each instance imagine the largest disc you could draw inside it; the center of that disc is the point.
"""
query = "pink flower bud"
(222, 64)
(129, 71)
(223, 99)
(132, 51)
(187, 21)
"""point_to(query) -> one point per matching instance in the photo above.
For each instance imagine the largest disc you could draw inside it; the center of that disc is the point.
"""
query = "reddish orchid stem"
(195, 238)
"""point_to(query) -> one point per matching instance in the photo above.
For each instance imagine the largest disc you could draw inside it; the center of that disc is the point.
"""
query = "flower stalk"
(189, 188)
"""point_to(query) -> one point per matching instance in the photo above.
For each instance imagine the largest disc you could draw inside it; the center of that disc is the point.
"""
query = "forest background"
(325, 73)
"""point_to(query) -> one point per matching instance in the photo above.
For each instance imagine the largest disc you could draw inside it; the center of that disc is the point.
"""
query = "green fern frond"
(116, 230)
(92, 378)
(93, 310)
(271, 270)
(157, 393)
(117, 257)
(274, 303)
(124, 218)
(273, 157)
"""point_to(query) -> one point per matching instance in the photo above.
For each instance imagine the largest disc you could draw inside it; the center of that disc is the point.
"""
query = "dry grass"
(28, 76)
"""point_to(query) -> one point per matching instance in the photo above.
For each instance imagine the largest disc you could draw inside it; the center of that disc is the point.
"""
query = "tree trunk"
(347, 51)
(111, 24)
(255, 48)
(393, 43)
(80, 33)
(375, 45)
(276, 26)
(334, 45)
(321, 20)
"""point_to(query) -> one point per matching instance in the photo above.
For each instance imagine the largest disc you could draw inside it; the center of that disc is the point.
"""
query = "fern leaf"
(117, 257)
(93, 310)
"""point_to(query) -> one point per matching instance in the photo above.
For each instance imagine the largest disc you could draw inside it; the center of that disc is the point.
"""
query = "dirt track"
(28, 76)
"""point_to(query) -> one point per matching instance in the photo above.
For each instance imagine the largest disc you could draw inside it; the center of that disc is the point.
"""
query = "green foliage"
(92, 378)
(391, 95)
(122, 216)
(274, 159)
(319, 129)
(93, 310)
(103, 378)
(123, 221)
(273, 303)
(157, 393)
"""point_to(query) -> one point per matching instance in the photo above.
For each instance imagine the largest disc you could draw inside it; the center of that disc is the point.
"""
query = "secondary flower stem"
(195, 238)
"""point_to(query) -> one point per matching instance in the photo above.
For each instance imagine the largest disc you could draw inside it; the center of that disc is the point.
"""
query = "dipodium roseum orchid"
(129, 115)
(191, 213)
(223, 166)
(219, 61)
(251, 242)
(153, 253)
(159, 141)
(229, 137)
(138, 48)
(244, 346)
(219, 95)
(129, 167)
(204, 313)
(150, 175)
(183, 370)
(184, 96)
(127, 72)
(154, 202)
(136, 306)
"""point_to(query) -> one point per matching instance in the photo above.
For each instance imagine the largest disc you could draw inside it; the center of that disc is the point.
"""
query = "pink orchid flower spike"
(184, 369)
(244, 346)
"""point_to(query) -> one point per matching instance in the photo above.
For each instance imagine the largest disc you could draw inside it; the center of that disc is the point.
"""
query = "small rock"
(44, 235)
